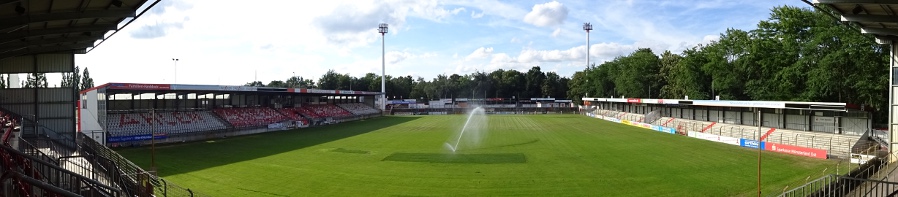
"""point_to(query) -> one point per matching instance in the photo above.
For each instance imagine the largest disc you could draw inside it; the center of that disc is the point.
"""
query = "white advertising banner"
(716, 138)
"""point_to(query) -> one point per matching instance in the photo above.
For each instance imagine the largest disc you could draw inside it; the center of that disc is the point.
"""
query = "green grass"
(522, 155)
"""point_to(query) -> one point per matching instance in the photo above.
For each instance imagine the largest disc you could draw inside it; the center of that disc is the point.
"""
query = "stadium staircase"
(37, 161)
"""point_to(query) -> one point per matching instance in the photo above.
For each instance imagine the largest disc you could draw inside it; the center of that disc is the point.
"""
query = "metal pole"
(176, 69)
(383, 71)
(759, 152)
(382, 29)
(153, 142)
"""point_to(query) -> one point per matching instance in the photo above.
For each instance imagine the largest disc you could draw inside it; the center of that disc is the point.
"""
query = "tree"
(86, 81)
(329, 80)
(255, 84)
(36, 80)
(277, 84)
(550, 84)
(534, 81)
(299, 82)
(667, 75)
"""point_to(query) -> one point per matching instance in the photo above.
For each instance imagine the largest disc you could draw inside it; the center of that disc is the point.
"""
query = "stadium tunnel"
(879, 18)
(43, 36)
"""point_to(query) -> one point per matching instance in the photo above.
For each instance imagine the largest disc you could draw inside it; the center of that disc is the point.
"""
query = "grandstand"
(839, 129)
(122, 114)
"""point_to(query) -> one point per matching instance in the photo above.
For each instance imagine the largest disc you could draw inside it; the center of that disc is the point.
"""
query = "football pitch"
(521, 155)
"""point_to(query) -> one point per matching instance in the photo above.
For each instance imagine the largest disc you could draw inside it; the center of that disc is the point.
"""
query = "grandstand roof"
(62, 26)
(877, 17)
(739, 104)
(164, 88)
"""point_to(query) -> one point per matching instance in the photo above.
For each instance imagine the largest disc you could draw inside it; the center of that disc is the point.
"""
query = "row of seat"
(835, 144)
(324, 110)
(359, 108)
(168, 122)
(250, 117)
(127, 124)
(293, 114)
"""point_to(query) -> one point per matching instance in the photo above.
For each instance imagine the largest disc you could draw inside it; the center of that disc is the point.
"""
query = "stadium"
(489, 138)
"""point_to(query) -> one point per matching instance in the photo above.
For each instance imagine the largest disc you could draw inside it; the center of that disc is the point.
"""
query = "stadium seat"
(323, 111)
(359, 108)
(165, 122)
(251, 116)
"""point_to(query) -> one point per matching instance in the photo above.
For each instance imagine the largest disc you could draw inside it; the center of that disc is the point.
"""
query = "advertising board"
(131, 138)
(796, 150)
(751, 143)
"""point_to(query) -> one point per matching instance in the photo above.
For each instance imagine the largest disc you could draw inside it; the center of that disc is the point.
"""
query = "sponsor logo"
(796, 150)
(751, 143)
(237, 88)
(133, 86)
(131, 138)
(634, 100)
(824, 120)
(319, 91)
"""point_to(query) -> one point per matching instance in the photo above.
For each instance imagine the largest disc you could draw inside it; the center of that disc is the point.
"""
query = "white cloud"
(536, 56)
(608, 51)
(500, 58)
(710, 38)
(493, 8)
(353, 24)
(476, 15)
(426, 37)
(457, 10)
(480, 53)
(394, 57)
(547, 14)
(556, 32)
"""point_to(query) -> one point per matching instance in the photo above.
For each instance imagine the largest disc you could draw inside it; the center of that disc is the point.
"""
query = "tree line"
(496, 84)
(797, 54)
(77, 79)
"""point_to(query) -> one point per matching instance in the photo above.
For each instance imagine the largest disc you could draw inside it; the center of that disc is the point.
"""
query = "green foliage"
(496, 84)
(36, 80)
(255, 84)
(797, 54)
(86, 81)
(546, 155)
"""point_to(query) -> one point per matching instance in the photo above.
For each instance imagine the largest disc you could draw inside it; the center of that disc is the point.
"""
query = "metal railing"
(865, 179)
(133, 174)
(31, 175)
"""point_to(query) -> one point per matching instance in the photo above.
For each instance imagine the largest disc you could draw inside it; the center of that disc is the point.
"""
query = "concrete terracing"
(838, 146)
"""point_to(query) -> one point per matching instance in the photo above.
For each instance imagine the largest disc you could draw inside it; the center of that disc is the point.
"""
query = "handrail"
(54, 166)
(42, 185)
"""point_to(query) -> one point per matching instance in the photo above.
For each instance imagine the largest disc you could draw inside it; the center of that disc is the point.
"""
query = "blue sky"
(234, 42)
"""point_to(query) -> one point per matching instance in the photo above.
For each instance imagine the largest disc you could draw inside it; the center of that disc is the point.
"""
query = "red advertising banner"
(136, 86)
(634, 100)
(795, 150)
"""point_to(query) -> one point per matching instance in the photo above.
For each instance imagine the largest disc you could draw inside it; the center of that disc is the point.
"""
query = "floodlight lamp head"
(382, 28)
(587, 27)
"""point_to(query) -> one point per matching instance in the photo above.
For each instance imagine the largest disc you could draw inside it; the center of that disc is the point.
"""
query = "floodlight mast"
(587, 27)
(382, 29)
(176, 69)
